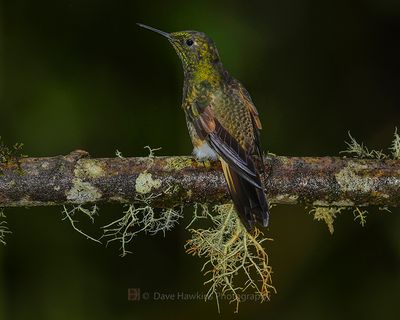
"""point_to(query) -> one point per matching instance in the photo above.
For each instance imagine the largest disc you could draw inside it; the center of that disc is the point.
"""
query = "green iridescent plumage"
(222, 120)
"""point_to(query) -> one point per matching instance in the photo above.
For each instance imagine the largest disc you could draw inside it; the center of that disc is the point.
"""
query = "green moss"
(178, 163)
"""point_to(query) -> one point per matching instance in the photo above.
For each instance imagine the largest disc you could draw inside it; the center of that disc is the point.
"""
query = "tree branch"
(173, 181)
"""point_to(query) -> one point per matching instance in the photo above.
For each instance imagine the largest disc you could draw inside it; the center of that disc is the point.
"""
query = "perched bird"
(222, 120)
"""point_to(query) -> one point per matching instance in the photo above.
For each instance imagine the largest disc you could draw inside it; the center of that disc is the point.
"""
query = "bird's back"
(230, 106)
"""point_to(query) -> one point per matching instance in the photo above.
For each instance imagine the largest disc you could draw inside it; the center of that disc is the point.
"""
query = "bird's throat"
(205, 71)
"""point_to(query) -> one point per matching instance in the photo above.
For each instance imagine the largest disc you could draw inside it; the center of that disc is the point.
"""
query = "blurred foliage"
(80, 74)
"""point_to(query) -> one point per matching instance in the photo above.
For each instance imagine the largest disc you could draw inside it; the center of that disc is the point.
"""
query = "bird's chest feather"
(198, 96)
(204, 152)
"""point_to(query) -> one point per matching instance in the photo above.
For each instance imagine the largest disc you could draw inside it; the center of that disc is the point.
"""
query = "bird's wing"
(255, 119)
(250, 106)
(209, 128)
(250, 202)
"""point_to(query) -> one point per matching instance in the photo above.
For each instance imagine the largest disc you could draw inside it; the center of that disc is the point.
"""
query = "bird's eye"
(189, 42)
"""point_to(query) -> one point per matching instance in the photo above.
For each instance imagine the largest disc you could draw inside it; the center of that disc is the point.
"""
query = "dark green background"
(80, 74)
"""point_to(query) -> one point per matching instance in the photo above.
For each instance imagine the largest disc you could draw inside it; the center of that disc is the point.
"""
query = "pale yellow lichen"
(82, 192)
(4, 230)
(152, 151)
(326, 214)
(11, 184)
(360, 215)
(88, 168)
(118, 199)
(286, 198)
(339, 203)
(395, 147)
(45, 165)
(145, 183)
(26, 201)
(119, 154)
(349, 180)
(140, 219)
(361, 151)
(236, 259)
(69, 213)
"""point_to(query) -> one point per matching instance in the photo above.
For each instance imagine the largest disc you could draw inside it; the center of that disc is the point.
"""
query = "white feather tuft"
(205, 152)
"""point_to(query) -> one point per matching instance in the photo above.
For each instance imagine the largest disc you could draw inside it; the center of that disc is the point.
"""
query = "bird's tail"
(250, 202)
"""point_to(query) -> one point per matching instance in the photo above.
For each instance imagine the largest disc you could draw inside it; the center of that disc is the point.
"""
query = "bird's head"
(196, 50)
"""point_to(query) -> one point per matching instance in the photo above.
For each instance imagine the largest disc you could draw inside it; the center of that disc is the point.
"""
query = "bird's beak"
(165, 34)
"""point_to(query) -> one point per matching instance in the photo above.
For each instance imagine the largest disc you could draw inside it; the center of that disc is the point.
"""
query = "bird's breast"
(204, 152)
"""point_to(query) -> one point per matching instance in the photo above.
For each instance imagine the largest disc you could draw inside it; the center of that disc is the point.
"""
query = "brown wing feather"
(243, 180)
(255, 119)
(250, 106)
(249, 201)
(209, 128)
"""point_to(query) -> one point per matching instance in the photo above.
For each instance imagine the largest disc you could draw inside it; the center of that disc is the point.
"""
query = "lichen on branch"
(140, 219)
(395, 147)
(350, 180)
(231, 253)
(8, 154)
(4, 230)
(69, 213)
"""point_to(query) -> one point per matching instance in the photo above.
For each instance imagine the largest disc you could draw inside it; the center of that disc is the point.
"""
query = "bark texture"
(173, 181)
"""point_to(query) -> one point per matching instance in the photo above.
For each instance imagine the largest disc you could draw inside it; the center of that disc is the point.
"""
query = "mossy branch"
(179, 181)
(236, 261)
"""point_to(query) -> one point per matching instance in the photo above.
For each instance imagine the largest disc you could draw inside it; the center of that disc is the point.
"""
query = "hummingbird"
(222, 121)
